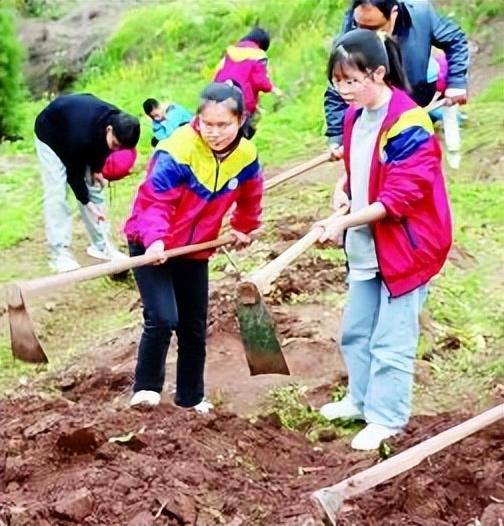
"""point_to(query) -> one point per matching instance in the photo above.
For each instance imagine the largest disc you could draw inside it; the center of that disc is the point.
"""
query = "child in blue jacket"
(166, 118)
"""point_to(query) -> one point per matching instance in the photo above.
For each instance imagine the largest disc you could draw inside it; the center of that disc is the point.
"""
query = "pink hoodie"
(246, 64)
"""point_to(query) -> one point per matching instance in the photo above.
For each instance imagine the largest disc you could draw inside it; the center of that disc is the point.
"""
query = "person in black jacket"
(74, 135)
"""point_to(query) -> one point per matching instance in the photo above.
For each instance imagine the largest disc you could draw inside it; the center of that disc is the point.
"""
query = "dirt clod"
(75, 506)
(44, 424)
(493, 515)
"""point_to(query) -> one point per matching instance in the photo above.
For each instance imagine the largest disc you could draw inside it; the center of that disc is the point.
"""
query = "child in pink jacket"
(397, 234)
(246, 65)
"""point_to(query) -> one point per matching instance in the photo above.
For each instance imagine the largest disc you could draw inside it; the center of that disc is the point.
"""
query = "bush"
(11, 81)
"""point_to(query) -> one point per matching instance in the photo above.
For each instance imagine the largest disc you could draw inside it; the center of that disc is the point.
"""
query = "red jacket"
(246, 64)
(413, 241)
(187, 192)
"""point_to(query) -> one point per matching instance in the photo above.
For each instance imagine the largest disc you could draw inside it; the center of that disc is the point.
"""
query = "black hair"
(149, 105)
(260, 36)
(366, 50)
(384, 6)
(126, 129)
(223, 91)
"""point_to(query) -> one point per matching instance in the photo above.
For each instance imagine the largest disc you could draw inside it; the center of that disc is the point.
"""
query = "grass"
(174, 59)
(293, 412)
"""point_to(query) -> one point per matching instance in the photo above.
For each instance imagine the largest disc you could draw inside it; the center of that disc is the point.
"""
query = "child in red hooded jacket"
(246, 65)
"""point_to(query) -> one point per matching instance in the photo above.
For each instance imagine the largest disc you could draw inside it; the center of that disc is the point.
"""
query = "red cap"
(119, 164)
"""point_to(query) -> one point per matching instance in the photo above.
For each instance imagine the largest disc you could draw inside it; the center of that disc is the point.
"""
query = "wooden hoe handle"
(263, 277)
(293, 172)
(37, 286)
(331, 498)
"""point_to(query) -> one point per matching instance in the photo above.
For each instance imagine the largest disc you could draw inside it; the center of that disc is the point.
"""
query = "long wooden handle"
(37, 286)
(263, 277)
(435, 105)
(297, 170)
(331, 497)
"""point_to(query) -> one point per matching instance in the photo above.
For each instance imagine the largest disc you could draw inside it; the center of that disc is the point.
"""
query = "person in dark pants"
(416, 27)
(193, 179)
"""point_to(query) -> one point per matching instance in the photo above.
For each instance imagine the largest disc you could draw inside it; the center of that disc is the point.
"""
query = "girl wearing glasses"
(193, 179)
(397, 234)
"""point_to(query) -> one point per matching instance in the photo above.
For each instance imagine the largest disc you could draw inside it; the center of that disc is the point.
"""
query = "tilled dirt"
(82, 457)
(308, 276)
(463, 483)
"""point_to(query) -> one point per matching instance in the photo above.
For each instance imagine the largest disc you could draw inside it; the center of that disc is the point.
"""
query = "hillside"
(258, 458)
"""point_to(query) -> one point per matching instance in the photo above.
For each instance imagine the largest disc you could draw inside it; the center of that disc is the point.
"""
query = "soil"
(57, 50)
(82, 456)
(456, 486)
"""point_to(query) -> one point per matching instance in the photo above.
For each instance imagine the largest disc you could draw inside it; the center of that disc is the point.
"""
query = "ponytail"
(396, 76)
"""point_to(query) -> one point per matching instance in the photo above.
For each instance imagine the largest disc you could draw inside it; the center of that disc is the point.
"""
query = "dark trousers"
(175, 298)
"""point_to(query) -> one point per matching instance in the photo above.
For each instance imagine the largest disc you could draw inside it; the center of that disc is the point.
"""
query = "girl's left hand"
(240, 240)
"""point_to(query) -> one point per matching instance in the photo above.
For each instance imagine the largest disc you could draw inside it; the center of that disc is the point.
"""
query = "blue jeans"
(379, 342)
(175, 298)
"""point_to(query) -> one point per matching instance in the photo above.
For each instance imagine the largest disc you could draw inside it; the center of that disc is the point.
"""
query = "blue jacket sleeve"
(334, 106)
(448, 36)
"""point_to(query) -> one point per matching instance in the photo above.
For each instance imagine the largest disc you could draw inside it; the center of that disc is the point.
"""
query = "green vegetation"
(473, 15)
(11, 81)
(290, 407)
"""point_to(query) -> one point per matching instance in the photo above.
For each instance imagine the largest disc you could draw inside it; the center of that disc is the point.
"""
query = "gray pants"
(57, 212)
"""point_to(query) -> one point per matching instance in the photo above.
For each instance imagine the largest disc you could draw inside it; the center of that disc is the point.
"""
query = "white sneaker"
(145, 398)
(63, 262)
(107, 254)
(372, 436)
(204, 407)
(345, 408)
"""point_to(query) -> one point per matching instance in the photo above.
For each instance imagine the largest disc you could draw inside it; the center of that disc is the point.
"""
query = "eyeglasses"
(351, 84)
(219, 126)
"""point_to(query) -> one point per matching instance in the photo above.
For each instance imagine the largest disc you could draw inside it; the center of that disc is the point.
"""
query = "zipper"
(196, 220)
(217, 170)
(409, 234)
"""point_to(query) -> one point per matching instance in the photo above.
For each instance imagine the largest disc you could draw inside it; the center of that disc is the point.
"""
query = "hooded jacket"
(246, 65)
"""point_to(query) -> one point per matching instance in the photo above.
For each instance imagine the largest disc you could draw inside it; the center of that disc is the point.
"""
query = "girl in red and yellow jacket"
(193, 178)
(397, 234)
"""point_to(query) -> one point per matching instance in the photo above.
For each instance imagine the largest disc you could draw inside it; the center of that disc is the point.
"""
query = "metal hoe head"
(24, 342)
(258, 332)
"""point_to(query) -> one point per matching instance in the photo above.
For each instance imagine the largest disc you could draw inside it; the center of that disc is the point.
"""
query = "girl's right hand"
(336, 152)
(157, 248)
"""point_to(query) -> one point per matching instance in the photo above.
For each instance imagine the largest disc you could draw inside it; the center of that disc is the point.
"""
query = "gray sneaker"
(108, 253)
(63, 261)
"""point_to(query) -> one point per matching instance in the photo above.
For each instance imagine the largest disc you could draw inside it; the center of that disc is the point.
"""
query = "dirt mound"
(57, 50)
(90, 463)
(100, 464)
(454, 486)
(310, 275)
